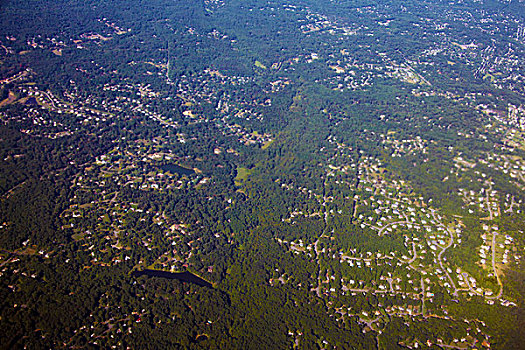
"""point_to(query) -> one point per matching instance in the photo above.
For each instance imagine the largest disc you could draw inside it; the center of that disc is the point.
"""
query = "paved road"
(391, 224)
(487, 203)
(494, 234)
(318, 288)
(10, 192)
(422, 296)
(440, 255)
(390, 280)
(8, 260)
(14, 78)
(355, 290)
(414, 257)
(500, 293)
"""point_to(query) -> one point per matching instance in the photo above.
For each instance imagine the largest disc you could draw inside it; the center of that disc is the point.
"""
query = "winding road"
(414, 257)
(494, 234)
(440, 255)
(390, 224)
(465, 275)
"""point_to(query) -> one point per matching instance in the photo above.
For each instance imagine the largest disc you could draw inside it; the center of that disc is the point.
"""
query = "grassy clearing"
(242, 175)
(259, 65)
(78, 236)
(10, 99)
(267, 144)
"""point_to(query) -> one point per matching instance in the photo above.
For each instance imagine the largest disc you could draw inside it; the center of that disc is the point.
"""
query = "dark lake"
(174, 168)
(186, 276)
(31, 102)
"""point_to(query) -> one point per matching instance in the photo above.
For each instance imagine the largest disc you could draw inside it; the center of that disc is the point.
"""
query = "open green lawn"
(242, 175)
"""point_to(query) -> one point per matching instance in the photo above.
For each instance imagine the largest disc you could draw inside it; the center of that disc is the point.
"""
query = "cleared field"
(242, 175)
(10, 99)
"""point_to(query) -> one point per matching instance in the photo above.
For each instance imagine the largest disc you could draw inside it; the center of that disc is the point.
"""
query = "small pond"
(177, 169)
